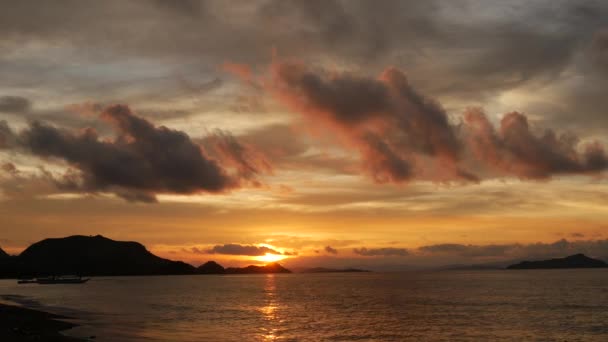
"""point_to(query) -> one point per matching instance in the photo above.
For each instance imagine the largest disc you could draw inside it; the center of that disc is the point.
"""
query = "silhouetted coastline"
(572, 261)
(100, 256)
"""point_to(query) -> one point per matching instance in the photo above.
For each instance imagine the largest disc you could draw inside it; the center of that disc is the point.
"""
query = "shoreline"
(19, 324)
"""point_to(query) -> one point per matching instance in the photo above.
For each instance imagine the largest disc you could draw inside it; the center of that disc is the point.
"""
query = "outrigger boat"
(55, 280)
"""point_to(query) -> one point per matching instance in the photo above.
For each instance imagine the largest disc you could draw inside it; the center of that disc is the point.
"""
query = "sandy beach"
(21, 324)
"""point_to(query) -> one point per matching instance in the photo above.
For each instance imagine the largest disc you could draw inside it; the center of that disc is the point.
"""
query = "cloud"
(194, 250)
(599, 49)
(14, 104)
(460, 47)
(245, 158)
(402, 135)
(7, 137)
(385, 119)
(384, 252)
(560, 248)
(331, 250)
(515, 150)
(139, 162)
(451, 50)
(9, 168)
(236, 249)
(466, 250)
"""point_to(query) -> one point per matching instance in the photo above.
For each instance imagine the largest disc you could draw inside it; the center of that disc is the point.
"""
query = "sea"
(484, 305)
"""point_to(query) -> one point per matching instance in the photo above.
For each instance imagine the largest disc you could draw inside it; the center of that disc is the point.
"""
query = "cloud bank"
(402, 135)
(383, 252)
(140, 161)
(236, 249)
(560, 248)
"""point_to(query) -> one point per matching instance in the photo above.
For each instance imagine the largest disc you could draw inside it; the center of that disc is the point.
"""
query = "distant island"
(212, 267)
(572, 261)
(100, 256)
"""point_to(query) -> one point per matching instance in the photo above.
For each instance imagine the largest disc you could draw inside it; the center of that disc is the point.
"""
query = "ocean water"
(527, 305)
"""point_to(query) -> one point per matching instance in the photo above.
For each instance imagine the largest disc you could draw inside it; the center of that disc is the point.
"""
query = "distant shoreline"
(22, 324)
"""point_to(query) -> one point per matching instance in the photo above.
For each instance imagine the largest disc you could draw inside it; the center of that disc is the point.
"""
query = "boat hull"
(54, 281)
(62, 281)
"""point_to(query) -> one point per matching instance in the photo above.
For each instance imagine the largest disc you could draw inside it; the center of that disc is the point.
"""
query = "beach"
(21, 324)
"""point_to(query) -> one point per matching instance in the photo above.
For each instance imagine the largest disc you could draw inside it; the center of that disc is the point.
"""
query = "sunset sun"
(269, 257)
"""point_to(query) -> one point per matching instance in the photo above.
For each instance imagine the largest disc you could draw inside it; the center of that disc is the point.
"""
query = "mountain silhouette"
(92, 255)
(210, 267)
(572, 261)
(252, 269)
(3, 254)
(100, 256)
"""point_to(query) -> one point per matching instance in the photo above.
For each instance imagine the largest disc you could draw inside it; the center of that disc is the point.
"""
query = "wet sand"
(21, 324)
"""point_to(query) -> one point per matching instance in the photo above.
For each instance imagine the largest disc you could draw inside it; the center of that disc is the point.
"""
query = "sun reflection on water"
(270, 310)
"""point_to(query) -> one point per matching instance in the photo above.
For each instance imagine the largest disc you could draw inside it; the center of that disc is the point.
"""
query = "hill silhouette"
(92, 255)
(210, 267)
(100, 256)
(252, 269)
(572, 261)
(3, 254)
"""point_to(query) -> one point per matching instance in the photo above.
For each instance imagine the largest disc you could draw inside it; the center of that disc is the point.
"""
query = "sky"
(323, 133)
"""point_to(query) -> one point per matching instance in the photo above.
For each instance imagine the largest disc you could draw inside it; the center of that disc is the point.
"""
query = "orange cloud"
(402, 135)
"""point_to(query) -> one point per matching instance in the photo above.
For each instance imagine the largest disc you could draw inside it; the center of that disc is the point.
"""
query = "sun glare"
(269, 257)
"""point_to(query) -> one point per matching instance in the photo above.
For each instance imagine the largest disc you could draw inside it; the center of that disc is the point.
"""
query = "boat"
(70, 279)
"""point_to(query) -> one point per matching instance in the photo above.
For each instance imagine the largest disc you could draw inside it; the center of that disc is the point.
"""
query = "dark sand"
(21, 324)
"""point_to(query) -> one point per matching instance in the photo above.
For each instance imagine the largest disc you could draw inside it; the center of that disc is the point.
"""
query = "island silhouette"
(101, 256)
(572, 261)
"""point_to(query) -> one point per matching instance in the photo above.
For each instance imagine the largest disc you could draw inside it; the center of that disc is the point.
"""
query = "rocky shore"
(19, 324)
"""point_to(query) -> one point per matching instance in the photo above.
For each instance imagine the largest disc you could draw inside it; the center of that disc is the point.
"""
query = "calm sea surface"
(547, 305)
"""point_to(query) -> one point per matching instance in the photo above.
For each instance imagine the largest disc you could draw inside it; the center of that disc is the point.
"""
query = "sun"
(269, 257)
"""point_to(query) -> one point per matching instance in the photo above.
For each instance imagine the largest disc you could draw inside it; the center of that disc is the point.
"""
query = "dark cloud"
(516, 150)
(466, 250)
(463, 50)
(248, 161)
(472, 39)
(331, 250)
(194, 250)
(402, 135)
(599, 49)
(236, 249)
(9, 168)
(14, 104)
(7, 137)
(139, 162)
(455, 50)
(389, 122)
(560, 248)
(384, 252)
